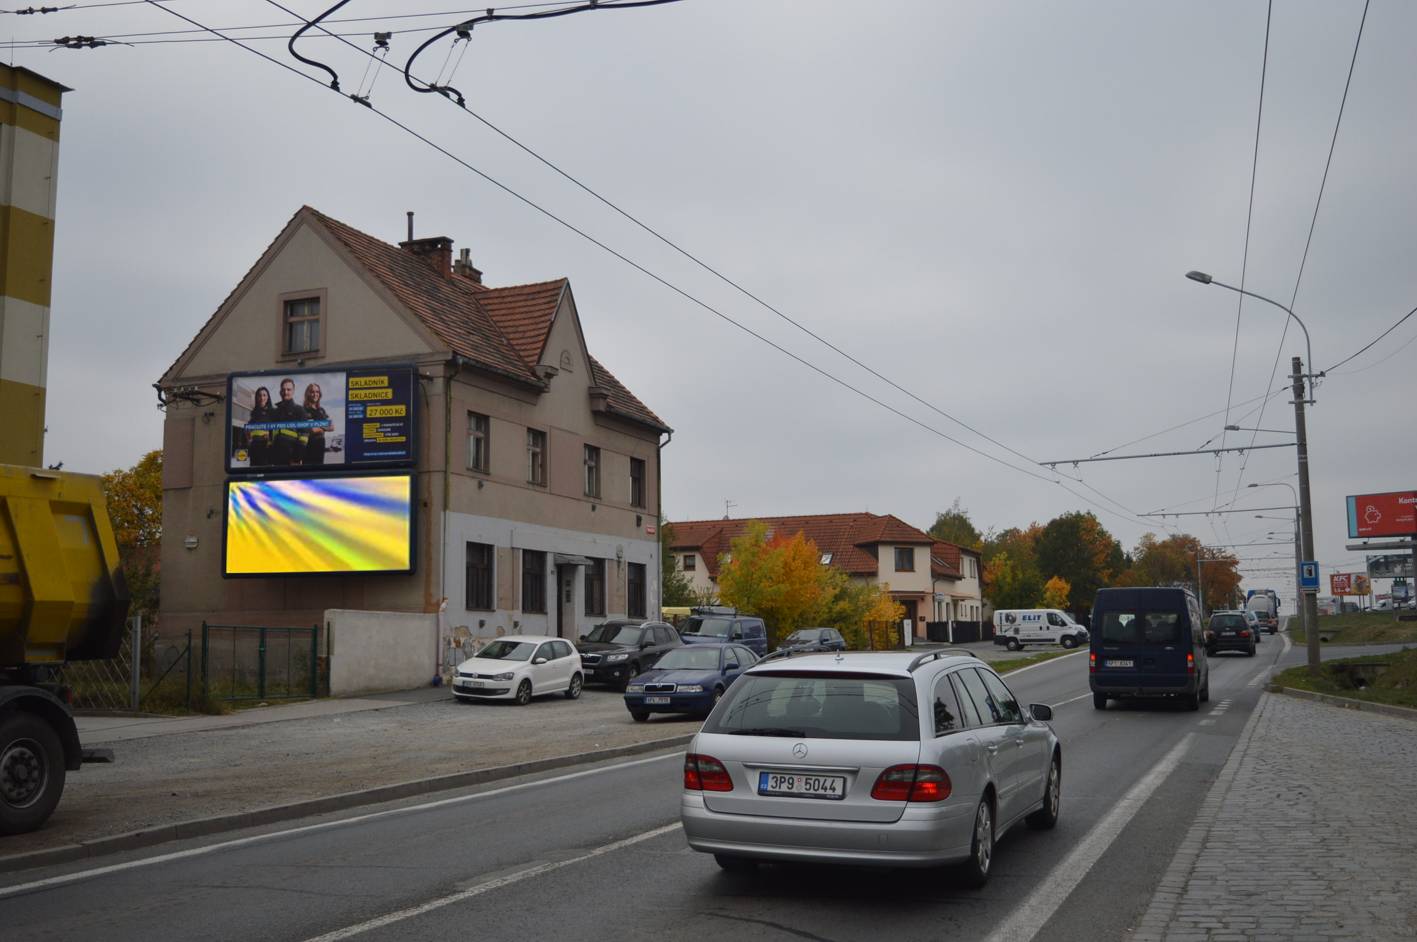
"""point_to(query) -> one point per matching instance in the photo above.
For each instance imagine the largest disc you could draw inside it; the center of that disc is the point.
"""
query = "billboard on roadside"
(1390, 514)
(321, 420)
(1348, 583)
(1390, 566)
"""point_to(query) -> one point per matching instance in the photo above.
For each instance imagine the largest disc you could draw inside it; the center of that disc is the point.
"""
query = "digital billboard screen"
(321, 419)
(1390, 514)
(307, 526)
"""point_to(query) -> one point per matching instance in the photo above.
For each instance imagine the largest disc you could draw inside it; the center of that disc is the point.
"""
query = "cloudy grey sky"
(991, 203)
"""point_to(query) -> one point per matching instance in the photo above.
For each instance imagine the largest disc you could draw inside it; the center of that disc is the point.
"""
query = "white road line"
(1073, 700)
(309, 828)
(1035, 910)
(520, 875)
(1051, 660)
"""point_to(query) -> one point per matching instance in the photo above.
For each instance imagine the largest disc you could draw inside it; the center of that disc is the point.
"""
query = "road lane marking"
(1073, 700)
(310, 828)
(1051, 660)
(390, 918)
(1033, 912)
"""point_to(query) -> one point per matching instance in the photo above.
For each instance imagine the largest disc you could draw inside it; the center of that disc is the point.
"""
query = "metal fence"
(150, 673)
(256, 662)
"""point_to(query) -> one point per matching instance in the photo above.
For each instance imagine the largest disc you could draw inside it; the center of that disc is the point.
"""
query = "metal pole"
(1299, 589)
(1310, 600)
(136, 625)
(1200, 588)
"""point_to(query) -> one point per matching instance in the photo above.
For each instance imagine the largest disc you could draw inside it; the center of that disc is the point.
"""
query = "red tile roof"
(849, 538)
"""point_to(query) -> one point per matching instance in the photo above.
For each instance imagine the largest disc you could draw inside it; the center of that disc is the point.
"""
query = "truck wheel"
(1069, 641)
(31, 772)
(1013, 644)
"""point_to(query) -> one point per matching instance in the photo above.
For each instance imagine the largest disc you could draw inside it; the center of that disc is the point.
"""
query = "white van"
(1015, 627)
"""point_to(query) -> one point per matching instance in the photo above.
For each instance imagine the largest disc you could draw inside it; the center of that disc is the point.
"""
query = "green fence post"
(314, 661)
(261, 666)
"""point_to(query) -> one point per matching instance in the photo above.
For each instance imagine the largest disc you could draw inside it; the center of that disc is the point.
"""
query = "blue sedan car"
(687, 680)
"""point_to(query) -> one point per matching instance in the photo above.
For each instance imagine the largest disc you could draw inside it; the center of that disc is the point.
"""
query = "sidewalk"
(1309, 833)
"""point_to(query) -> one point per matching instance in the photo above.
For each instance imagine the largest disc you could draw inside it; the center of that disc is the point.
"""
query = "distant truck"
(1265, 604)
(62, 598)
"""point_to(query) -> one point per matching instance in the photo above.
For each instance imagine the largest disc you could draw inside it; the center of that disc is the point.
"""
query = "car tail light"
(1190, 663)
(912, 783)
(1244, 632)
(1092, 662)
(705, 774)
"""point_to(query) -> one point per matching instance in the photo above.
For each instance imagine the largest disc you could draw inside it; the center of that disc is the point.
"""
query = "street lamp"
(1305, 518)
(1277, 431)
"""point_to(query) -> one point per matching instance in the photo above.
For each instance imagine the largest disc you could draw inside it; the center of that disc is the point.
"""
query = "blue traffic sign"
(1309, 576)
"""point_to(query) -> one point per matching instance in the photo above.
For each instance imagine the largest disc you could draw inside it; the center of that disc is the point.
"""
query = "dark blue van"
(1147, 642)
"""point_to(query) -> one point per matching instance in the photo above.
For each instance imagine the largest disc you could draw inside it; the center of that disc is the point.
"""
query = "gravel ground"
(180, 777)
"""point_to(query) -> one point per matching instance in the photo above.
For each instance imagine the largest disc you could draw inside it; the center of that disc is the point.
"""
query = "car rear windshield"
(824, 705)
(1228, 621)
(709, 627)
(1142, 628)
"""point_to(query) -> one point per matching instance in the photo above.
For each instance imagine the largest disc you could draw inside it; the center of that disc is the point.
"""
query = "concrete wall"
(372, 652)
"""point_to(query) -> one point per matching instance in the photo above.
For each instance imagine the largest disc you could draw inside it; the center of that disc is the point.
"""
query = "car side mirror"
(1042, 712)
(540, 660)
(582, 638)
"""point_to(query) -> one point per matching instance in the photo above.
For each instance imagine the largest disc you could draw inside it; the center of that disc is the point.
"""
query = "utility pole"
(1309, 600)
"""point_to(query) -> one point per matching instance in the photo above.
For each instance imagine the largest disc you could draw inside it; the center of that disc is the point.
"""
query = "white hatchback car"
(889, 759)
(519, 667)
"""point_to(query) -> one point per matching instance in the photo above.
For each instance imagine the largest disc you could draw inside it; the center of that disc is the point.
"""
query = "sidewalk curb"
(271, 814)
(1387, 709)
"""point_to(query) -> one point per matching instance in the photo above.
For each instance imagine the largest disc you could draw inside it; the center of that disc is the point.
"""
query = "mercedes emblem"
(800, 750)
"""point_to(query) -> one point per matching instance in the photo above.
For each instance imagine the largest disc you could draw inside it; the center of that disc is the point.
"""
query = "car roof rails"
(936, 655)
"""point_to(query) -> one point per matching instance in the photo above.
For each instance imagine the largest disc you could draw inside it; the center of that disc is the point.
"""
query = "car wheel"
(1013, 644)
(639, 716)
(1193, 702)
(1046, 817)
(981, 846)
(735, 864)
(574, 690)
(1099, 701)
(1070, 642)
(634, 672)
(31, 772)
(1205, 691)
(524, 693)
(1251, 652)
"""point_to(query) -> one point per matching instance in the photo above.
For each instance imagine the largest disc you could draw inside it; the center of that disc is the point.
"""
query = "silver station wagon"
(886, 759)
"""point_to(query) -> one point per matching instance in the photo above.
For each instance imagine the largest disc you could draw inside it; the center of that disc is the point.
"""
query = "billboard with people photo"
(316, 420)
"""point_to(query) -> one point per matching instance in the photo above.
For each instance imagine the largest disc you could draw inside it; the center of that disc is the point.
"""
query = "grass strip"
(1394, 683)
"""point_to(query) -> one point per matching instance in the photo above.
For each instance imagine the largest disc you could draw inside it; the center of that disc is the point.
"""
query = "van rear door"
(1142, 647)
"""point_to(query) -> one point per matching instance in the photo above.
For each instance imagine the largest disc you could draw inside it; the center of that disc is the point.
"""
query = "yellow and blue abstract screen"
(319, 525)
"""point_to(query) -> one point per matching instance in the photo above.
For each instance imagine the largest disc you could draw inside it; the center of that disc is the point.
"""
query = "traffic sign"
(1309, 576)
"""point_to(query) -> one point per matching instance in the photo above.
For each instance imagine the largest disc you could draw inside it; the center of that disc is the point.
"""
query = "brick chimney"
(437, 250)
(463, 266)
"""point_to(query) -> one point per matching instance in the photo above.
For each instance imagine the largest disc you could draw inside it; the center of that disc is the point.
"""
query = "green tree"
(1172, 561)
(1011, 584)
(1076, 547)
(675, 588)
(954, 526)
(134, 498)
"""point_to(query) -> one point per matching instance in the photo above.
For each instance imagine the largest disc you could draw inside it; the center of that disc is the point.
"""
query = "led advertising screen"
(319, 420)
(307, 526)
(1391, 514)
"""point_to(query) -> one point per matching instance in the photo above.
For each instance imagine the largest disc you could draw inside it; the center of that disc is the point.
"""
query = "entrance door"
(566, 601)
(911, 610)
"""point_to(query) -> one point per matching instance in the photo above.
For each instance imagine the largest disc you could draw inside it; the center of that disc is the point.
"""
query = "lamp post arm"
(1259, 297)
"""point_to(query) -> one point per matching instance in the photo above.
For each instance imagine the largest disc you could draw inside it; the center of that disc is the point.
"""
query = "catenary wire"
(1372, 343)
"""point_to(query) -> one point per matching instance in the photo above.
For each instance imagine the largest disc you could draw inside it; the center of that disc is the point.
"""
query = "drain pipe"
(659, 514)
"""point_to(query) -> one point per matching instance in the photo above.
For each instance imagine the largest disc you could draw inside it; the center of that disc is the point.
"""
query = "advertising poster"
(314, 525)
(1348, 583)
(320, 420)
(1391, 514)
(1391, 566)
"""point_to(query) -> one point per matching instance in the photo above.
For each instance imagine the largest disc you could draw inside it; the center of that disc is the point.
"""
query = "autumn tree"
(1172, 561)
(1056, 593)
(954, 526)
(1077, 548)
(134, 498)
(1009, 583)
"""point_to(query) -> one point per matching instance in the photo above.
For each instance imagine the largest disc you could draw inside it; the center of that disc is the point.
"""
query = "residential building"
(536, 471)
(957, 573)
(875, 548)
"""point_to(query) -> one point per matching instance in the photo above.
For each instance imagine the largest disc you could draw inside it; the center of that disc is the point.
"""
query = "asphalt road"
(597, 854)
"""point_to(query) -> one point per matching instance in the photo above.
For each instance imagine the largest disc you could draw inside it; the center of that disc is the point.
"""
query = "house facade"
(875, 548)
(535, 487)
(957, 573)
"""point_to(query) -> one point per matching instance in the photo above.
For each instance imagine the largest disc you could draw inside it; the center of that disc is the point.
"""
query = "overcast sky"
(993, 204)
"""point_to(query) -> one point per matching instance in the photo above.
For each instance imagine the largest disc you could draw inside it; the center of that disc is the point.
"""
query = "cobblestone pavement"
(1309, 833)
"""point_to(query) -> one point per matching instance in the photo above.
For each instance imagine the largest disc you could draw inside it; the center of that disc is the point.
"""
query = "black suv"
(615, 651)
(813, 639)
(1231, 631)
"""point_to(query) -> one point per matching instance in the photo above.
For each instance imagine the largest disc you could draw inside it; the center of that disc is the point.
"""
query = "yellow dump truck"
(62, 598)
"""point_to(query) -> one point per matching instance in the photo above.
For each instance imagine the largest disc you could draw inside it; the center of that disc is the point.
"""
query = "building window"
(691, 562)
(480, 597)
(595, 587)
(592, 471)
(826, 559)
(637, 482)
(905, 559)
(536, 457)
(479, 442)
(635, 584)
(534, 582)
(300, 326)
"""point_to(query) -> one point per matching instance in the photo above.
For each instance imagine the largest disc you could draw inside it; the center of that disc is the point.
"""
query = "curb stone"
(271, 814)
(1406, 713)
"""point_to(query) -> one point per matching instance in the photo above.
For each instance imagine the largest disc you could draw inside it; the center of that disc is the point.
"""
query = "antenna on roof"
(728, 506)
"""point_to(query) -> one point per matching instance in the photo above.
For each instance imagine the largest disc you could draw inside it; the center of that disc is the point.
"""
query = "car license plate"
(1125, 663)
(801, 786)
(656, 701)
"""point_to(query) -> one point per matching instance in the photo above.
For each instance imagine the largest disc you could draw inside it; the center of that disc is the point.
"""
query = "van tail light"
(705, 774)
(912, 783)
(1190, 663)
(1092, 662)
